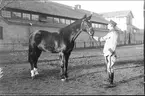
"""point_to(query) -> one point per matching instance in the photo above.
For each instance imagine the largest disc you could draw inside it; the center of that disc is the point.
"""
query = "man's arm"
(102, 38)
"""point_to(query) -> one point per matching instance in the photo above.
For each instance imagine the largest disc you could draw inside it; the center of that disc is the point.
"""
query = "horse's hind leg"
(33, 56)
(38, 53)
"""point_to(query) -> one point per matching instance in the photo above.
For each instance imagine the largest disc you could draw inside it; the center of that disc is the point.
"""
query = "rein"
(78, 31)
(96, 43)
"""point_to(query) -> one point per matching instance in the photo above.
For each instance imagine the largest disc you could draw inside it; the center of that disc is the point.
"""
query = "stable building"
(130, 33)
(20, 18)
(123, 20)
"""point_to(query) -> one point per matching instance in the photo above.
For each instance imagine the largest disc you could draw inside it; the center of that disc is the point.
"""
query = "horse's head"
(86, 25)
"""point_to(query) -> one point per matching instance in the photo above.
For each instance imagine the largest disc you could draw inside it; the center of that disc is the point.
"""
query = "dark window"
(16, 14)
(6, 13)
(26, 16)
(105, 26)
(49, 19)
(42, 18)
(1, 32)
(35, 17)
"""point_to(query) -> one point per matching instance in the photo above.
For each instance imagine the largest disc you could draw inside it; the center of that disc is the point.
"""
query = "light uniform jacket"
(110, 42)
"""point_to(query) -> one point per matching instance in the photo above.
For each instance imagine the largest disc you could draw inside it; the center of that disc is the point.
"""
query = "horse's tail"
(30, 46)
(34, 39)
(29, 53)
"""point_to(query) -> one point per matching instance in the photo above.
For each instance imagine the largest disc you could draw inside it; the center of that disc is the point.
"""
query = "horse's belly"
(54, 47)
(47, 48)
(43, 47)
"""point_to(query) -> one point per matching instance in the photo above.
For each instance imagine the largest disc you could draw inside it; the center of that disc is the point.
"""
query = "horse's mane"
(72, 25)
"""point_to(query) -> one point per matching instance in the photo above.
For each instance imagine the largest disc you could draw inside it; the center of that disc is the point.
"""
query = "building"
(123, 20)
(17, 16)
(129, 32)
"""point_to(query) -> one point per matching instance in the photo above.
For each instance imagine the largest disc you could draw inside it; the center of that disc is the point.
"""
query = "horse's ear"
(88, 18)
(84, 16)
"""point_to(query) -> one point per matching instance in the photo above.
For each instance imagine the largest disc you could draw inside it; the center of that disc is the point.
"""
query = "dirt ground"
(87, 75)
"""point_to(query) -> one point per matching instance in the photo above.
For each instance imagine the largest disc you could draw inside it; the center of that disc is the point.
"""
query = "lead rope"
(96, 44)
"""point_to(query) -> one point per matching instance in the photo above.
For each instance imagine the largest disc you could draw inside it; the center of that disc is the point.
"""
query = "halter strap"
(79, 30)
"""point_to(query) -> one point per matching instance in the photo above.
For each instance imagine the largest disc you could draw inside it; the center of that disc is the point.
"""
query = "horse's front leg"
(64, 65)
(66, 55)
(62, 62)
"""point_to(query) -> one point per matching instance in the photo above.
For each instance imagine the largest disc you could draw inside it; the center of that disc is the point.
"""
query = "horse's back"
(38, 35)
(45, 40)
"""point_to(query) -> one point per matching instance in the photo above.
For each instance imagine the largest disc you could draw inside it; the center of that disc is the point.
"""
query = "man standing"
(109, 48)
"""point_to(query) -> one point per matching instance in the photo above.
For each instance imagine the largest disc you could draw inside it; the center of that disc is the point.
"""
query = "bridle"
(89, 29)
(81, 28)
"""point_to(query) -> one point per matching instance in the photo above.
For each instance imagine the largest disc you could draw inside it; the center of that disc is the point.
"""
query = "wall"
(16, 37)
(121, 22)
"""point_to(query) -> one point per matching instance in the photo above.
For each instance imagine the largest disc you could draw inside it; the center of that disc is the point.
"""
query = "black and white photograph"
(72, 47)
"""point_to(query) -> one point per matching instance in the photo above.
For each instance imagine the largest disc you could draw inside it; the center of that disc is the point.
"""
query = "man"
(109, 48)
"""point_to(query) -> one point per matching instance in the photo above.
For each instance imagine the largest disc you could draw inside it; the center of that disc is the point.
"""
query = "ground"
(86, 72)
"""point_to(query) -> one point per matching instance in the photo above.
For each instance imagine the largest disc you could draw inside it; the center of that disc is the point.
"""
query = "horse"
(61, 42)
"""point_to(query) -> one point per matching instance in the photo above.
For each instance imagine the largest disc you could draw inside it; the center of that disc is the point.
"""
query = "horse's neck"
(71, 32)
(76, 34)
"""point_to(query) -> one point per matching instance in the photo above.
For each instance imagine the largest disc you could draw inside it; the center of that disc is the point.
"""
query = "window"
(49, 19)
(72, 21)
(42, 18)
(1, 32)
(6, 14)
(105, 26)
(56, 20)
(26, 16)
(67, 21)
(97, 25)
(35, 17)
(93, 25)
(62, 21)
(16, 14)
(100, 26)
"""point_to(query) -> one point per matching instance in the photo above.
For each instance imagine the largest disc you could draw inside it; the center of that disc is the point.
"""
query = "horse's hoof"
(112, 85)
(64, 79)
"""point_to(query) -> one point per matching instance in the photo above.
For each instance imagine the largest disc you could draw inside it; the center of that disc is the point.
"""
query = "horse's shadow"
(54, 73)
(49, 73)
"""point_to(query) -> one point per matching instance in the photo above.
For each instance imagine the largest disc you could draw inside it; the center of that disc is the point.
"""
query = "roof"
(53, 8)
(117, 14)
(135, 27)
(95, 16)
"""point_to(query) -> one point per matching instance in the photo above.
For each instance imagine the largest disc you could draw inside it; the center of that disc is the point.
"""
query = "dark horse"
(62, 43)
